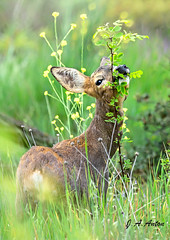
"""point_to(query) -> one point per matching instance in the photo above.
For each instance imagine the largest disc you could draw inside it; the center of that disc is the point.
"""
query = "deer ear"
(70, 78)
(105, 61)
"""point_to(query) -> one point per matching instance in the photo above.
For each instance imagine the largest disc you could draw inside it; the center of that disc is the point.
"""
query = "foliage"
(113, 38)
(94, 219)
(156, 126)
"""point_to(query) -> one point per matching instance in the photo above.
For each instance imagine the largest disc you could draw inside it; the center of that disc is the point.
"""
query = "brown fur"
(43, 170)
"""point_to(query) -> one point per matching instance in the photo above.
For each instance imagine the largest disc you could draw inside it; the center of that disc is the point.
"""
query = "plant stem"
(120, 158)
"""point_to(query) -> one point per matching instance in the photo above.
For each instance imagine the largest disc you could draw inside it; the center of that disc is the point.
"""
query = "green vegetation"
(24, 95)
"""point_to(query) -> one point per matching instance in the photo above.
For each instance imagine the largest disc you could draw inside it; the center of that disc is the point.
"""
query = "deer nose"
(123, 69)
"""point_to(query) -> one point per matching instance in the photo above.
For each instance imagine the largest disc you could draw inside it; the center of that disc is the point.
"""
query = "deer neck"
(101, 129)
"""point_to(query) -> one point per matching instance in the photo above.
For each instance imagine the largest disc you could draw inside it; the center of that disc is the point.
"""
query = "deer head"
(95, 85)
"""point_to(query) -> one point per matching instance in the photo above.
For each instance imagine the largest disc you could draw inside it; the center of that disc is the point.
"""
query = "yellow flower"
(130, 23)
(60, 52)
(53, 122)
(90, 115)
(68, 93)
(83, 70)
(46, 93)
(127, 130)
(125, 109)
(45, 74)
(56, 117)
(80, 103)
(91, 6)
(62, 128)
(76, 100)
(83, 16)
(57, 129)
(93, 105)
(69, 98)
(53, 54)
(88, 108)
(75, 115)
(73, 26)
(125, 138)
(63, 43)
(55, 14)
(125, 118)
(71, 136)
(49, 67)
(42, 34)
(124, 15)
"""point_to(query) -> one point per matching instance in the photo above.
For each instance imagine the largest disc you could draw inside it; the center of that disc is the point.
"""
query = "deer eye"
(98, 82)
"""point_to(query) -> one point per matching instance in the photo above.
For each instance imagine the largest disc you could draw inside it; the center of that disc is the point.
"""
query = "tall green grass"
(92, 219)
(22, 96)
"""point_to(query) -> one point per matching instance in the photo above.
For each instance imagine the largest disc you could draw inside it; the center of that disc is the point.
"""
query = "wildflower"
(69, 98)
(127, 130)
(63, 43)
(73, 26)
(125, 118)
(56, 117)
(71, 136)
(124, 15)
(83, 70)
(91, 6)
(93, 105)
(53, 54)
(53, 122)
(90, 115)
(62, 129)
(57, 129)
(75, 115)
(60, 52)
(83, 16)
(49, 67)
(125, 138)
(45, 74)
(129, 23)
(124, 125)
(42, 34)
(46, 93)
(76, 100)
(125, 109)
(67, 92)
(88, 108)
(80, 103)
(55, 14)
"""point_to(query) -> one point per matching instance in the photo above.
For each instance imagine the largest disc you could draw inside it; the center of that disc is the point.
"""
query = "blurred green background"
(24, 56)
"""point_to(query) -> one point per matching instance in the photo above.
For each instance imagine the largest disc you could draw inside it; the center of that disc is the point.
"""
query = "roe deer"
(41, 170)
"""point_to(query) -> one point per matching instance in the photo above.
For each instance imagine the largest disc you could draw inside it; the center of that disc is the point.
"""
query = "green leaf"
(118, 35)
(112, 45)
(117, 28)
(109, 114)
(101, 43)
(123, 84)
(104, 35)
(120, 55)
(123, 90)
